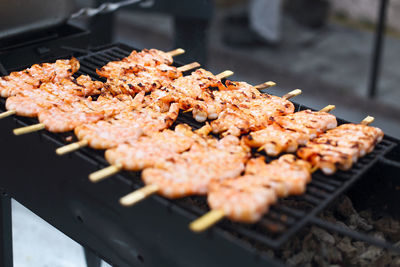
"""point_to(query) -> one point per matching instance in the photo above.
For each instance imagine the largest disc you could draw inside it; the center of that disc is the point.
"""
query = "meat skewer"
(42, 125)
(35, 76)
(255, 114)
(145, 151)
(144, 58)
(341, 147)
(286, 133)
(115, 168)
(246, 198)
(85, 142)
(261, 186)
(190, 172)
(125, 126)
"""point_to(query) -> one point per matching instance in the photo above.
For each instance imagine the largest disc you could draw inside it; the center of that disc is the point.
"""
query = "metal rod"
(353, 234)
(377, 49)
(6, 252)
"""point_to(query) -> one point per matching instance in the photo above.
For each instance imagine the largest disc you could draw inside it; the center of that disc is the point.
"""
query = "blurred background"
(327, 48)
(345, 53)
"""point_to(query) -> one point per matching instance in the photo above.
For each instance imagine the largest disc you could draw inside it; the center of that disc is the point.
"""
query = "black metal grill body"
(155, 232)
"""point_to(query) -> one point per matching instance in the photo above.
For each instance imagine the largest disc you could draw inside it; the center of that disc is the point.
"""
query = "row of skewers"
(130, 114)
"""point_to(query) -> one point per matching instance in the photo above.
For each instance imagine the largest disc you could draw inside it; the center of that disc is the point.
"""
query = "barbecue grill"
(155, 232)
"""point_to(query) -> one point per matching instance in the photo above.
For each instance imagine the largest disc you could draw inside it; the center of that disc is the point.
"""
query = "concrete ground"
(331, 66)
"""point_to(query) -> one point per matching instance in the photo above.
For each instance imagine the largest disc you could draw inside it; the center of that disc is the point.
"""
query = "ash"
(317, 247)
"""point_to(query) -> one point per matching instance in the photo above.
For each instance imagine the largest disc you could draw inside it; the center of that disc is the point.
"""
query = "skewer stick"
(265, 85)
(104, 173)
(138, 195)
(368, 120)
(71, 147)
(6, 114)
(176, 52)
(189, 67)
(188, 110)
(292, 94)
(29, 129)
(224, 74)
(207, 220)
(328, 108)
(314, 169)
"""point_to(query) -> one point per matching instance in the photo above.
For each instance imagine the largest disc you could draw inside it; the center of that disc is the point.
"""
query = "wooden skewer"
(71, 147)
(104, 173)
(224, 74)
(265, 85)
(176, 52)
(292, 94)
(138, 195)
(368, 120)
(6, 114)
(328, 108)
(207, 220)
(29, 129)
(189, 66)
(314, 169)
(188, 110)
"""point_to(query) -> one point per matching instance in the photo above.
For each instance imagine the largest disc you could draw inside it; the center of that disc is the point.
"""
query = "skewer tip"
(265, 85)
(71, 147)
(224, 74)
(314, 169)
(29, 129)
(138, 195)
(176, 52)
(207, 220)
(189, 66)
(368, 120)
(291, 94)
(328, 108)
(7, 113)
(104, 173)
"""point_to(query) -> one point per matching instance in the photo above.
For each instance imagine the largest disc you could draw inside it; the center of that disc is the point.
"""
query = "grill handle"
(109, 7)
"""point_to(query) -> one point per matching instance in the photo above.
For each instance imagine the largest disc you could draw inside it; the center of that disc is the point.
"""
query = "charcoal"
(323, 235)
(371, 256)
(359, 222)
(389, 226)
(346, 247)
(300, 258)
(379, 235)
(359, 245)
(345, 207)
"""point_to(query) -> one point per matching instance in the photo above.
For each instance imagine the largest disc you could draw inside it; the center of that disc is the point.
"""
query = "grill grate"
(283, 220)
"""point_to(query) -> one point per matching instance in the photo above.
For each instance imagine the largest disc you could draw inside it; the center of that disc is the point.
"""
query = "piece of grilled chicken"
(29, 103)
(131, 63)
(340, 147)
(147, 151)
(126, 126)
(190, 173)
(248, 197)
(288, 132)
(33, 77)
